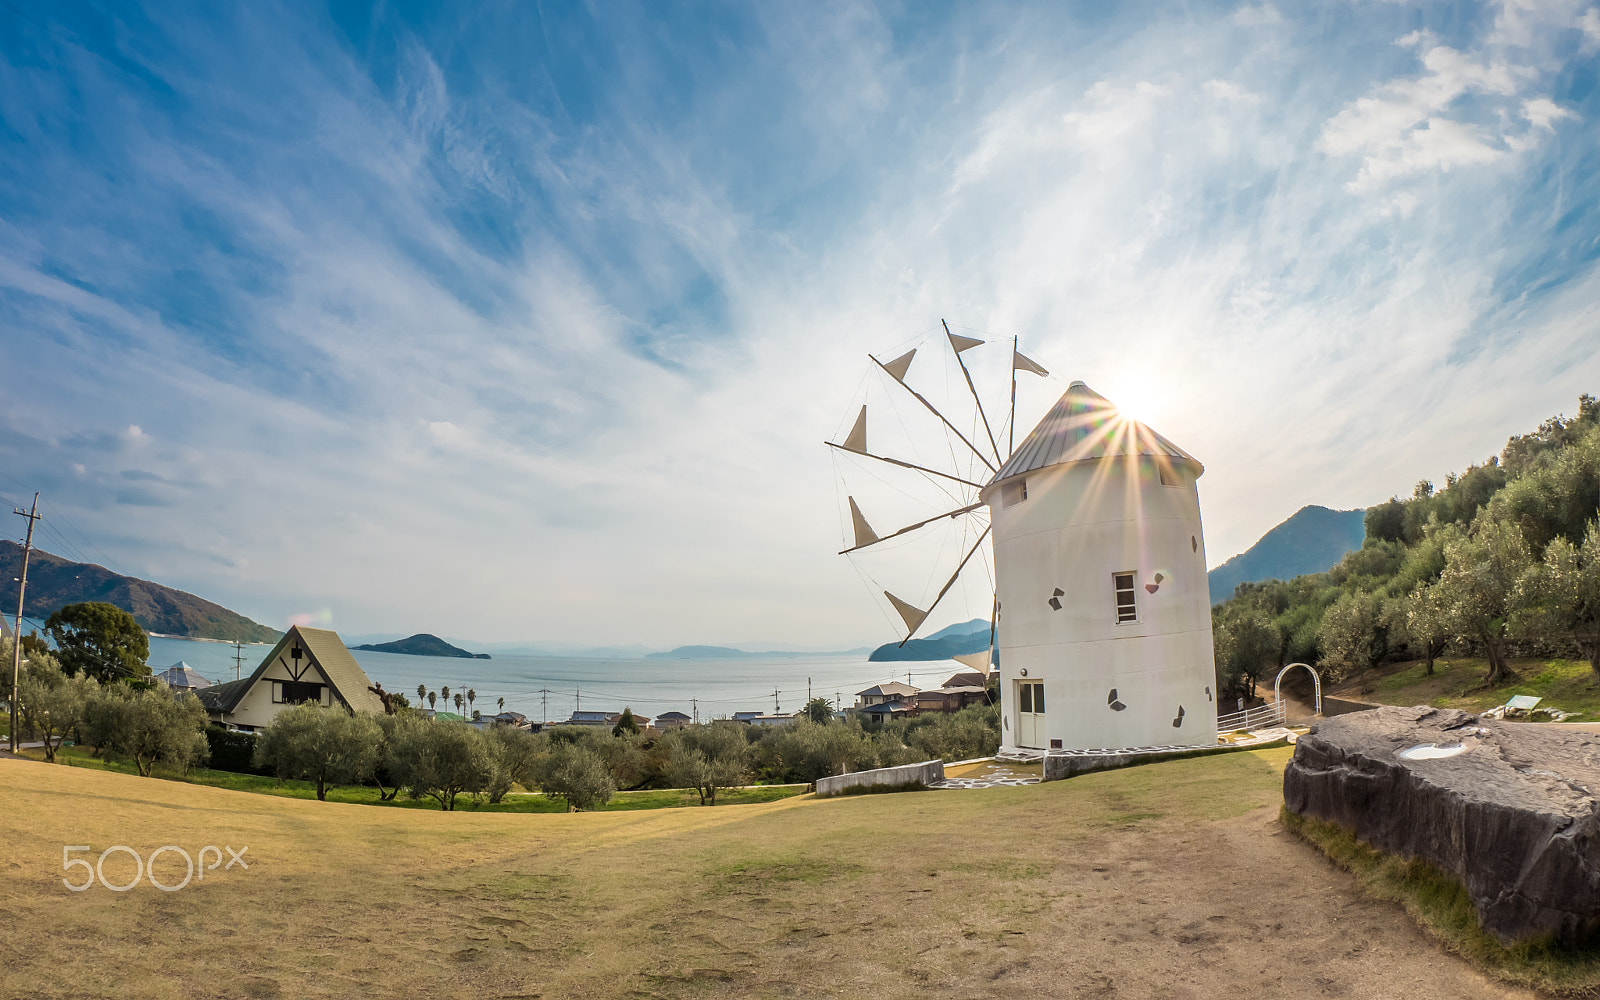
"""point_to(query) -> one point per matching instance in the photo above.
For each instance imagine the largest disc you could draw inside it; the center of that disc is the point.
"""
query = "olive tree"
(707, 758)
(437, 760)
(326, 745)
(513, 757)
(1570, 590)
(578, 775)
(52, 704)
(1479, 588)
(147, 727)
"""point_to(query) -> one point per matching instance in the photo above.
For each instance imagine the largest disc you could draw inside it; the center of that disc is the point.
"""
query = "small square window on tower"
(1013, 493)
(1127, 611)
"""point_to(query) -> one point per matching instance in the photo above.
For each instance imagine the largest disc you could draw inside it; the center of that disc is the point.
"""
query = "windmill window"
(1169, 475)
(1127, 611)
(1012, 494)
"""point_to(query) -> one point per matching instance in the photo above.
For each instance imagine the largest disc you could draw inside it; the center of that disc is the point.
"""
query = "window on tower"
(1127, 611)
(1013, 493)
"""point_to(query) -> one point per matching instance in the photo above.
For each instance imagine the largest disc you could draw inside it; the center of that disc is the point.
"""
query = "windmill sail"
(857, 441)
(959, 343)
(898, 366)
(913, 615)
(977, 661)
(864, 533)
(1022, 364)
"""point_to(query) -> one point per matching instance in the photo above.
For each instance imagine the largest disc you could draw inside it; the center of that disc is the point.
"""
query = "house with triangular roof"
(307, 665)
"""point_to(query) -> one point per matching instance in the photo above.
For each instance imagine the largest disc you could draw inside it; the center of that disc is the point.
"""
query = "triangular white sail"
(864, 533)
(898, 366)
(913, 615)
(1022, 364)
(857, 440)
(977, 661)
(959, 343)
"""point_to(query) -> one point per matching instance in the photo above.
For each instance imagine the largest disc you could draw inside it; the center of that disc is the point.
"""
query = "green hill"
(422, 644)
(54, 582)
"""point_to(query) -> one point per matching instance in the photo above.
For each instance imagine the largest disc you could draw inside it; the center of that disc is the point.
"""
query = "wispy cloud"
(528, 328)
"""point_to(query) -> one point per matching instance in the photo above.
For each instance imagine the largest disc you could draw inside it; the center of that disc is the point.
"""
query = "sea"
(549, 687)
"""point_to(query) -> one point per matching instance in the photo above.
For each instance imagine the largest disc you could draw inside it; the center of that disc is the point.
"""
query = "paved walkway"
(997, 774)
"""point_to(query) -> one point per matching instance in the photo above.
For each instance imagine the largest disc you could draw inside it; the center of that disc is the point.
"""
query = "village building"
(308, 665)
(672, 720)
(880, 693)
(888, 710)
(181, 677)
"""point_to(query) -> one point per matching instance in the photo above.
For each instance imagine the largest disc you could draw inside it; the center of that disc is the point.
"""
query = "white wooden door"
(1030, 714)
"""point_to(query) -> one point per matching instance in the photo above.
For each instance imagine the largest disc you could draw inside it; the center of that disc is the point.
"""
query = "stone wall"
(925, 773)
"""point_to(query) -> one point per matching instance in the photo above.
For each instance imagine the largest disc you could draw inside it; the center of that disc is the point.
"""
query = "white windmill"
(1102, 617)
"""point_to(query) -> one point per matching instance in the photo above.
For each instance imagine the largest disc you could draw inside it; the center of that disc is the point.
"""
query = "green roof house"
(307, 665)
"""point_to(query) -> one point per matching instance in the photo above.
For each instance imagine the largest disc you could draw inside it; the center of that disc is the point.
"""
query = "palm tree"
(472, 696)
(422, 693)
(502, 704)
(458, 701)
(444, 693)
(433, 696)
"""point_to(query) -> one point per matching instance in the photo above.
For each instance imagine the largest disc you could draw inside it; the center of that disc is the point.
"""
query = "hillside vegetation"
(1503, 561)
(54, 582)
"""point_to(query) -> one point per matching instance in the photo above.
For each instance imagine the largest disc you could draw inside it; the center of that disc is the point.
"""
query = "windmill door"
(1030, 713)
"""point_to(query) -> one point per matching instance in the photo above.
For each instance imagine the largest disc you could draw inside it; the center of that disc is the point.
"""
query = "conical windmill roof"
(1082, 426)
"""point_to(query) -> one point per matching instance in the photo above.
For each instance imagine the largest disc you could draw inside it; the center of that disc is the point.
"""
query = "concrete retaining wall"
(1342, 706)
(925, 773)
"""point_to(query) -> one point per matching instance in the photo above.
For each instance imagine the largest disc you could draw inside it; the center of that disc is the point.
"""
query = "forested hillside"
(1502, 561)
(54, 582)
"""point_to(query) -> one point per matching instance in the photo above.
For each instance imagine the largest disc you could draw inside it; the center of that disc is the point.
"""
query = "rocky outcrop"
(1508, 808)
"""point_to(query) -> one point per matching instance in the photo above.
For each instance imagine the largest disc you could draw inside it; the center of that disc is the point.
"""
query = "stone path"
(996, 775)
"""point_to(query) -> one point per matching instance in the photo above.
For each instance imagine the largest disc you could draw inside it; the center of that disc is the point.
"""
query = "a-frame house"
(307, 665)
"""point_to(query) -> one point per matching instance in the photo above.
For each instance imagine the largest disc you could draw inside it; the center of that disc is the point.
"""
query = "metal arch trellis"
(1316, 680)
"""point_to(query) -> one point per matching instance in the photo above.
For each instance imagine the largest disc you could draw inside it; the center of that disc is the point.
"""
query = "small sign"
(1525, 702)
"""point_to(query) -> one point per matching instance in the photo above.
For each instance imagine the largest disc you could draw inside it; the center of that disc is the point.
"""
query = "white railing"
(1273, 713)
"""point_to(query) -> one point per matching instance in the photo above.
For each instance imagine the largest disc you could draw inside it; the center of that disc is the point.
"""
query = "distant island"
(952, 640)
(422, 644)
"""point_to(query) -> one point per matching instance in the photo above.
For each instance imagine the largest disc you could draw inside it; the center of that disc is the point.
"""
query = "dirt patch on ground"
(1169, 880)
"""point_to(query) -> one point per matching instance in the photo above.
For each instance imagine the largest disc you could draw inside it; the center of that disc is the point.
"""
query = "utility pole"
(577, 705)
(16, 639)
(544, 699)
(694, 704)
(775, 701)
(238, 658)
(808, 690)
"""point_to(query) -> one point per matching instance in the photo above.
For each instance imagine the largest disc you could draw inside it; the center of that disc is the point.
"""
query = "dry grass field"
(1171, 880)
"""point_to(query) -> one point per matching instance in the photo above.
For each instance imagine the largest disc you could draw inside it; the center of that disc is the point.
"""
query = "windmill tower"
(1100, 572)
(1102, 616)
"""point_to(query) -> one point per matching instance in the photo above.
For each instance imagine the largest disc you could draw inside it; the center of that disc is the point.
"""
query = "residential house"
(308, 665)
(672, 720)
(880, 693)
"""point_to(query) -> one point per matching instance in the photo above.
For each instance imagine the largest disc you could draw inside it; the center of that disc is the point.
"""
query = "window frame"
(1132, 590)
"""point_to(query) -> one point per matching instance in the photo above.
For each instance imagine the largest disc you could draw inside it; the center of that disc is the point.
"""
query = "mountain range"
(54, 582)
(1310, 541)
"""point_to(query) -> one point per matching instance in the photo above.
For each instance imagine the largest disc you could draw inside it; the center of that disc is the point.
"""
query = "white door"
(1030, 714)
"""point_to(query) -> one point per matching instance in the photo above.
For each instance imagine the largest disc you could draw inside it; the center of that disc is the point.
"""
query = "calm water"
(651, 687)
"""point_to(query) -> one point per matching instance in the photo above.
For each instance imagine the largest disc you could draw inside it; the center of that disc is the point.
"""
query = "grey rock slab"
(1509, 808)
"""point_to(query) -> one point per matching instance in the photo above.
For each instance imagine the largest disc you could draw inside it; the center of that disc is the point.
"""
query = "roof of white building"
(1084, 425)
(323, 650)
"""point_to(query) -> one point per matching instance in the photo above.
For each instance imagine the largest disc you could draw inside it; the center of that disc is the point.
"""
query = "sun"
(1135, 398)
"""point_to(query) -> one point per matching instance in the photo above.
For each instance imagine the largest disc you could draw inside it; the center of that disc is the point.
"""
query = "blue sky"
(517, 321)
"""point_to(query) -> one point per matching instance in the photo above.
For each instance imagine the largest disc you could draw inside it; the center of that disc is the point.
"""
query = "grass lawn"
(1171, 879)
(516, 802)
(1458, 683)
